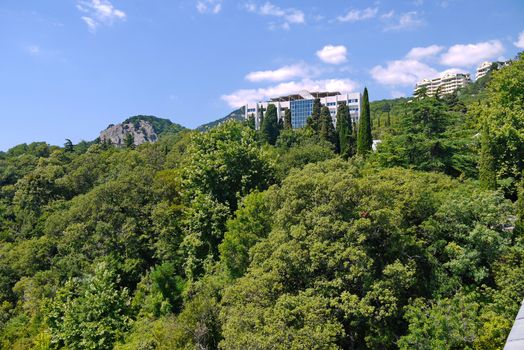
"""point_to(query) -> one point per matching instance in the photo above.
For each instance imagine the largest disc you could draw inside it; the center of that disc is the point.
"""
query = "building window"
(300, 111)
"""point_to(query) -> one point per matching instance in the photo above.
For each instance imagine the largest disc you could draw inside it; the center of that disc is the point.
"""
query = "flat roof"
(305, 95)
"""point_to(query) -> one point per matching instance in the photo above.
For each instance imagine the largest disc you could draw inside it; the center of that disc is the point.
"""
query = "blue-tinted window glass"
(300, 111)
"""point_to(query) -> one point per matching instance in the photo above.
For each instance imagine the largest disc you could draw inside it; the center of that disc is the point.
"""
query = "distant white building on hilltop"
(446, 84)
(483, 69)
(301, 106)
(487, 66)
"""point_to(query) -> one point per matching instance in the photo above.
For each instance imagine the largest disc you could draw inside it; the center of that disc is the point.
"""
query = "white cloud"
(333, 54)
(250, 7)
(209, 6)
(388, 15)
(358, 15)
(402, 72)
(288, 16)
(99, 12)
(241, 97)
(406, 20)
(449, 71)
(419, 53)
(471, 54)
(281, 74)
(91, 23)
(520, 41)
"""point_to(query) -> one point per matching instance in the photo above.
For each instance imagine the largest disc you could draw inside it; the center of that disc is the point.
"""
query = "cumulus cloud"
(420, 53)
(209, 6)
(520, 41)
(241, 97)
(99, 12)
(333, 54)
(471, 54)
(358, 15)
(288, 16)
(402, 72)
(283, 73)
(406, 20)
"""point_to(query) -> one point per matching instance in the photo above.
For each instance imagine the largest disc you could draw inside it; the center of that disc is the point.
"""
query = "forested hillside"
(237, 114)
(275, 239)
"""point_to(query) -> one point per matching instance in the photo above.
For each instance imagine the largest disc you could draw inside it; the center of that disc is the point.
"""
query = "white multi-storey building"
(486, 66)
(446, 84)
(483, 69)
(301, 106)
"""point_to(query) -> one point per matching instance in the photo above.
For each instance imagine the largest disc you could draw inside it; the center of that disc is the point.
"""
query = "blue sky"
(68, 68)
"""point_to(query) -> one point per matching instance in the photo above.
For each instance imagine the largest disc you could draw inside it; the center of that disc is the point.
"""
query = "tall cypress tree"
(343, 130)
(287, 119)
(269, 129)
(326, 129)
(280, 124)
(364, 138)
(487, 172)
(251, 121)
(314, 120)
(260, 116)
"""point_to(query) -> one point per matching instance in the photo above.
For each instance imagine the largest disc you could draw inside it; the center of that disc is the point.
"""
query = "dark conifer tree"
(68, 146)
(280, 124)
(344, 130)
(364, 138)
(315, 116)
(326, 129)
(251, 121)
(287, 119)
(260, 116)
(269, 129)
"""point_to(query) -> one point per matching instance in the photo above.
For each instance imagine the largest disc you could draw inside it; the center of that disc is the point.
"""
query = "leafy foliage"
(225, 240)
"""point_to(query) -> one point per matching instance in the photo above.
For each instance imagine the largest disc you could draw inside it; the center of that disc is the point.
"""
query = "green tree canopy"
(364, 138)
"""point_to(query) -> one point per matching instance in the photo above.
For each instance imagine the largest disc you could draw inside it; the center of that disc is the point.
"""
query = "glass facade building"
(301, 106)
(300, 111)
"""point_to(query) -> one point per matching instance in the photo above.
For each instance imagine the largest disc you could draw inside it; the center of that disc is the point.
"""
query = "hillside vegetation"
(274, 239)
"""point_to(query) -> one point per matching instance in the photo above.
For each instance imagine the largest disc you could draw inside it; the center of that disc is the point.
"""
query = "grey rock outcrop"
(142, 131)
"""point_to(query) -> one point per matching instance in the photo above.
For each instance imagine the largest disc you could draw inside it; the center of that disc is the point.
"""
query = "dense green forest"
(275, 239)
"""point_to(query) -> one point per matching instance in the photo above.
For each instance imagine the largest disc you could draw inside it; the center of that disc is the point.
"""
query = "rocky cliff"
(142, 128)
(141, 131)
